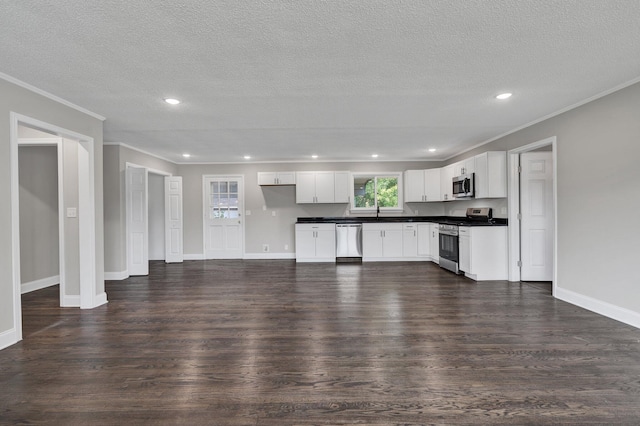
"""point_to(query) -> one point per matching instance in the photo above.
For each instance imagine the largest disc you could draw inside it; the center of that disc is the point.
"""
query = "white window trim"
(397, 175)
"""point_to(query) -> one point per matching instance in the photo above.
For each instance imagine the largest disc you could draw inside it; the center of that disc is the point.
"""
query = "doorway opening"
(41, 200)
(154, 226)
(76, 217)
(533, 212)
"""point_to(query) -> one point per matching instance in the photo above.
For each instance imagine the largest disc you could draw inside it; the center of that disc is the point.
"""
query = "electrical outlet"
(286, 247)
(265, 248)
(503, 210)
(273, 212)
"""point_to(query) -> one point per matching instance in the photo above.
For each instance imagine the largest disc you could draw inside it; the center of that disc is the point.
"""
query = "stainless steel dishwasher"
(348, 242)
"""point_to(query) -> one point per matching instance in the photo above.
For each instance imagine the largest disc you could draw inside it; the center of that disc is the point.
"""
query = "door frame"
(127, 207)
(86, 214)
(205, 211)
(513, 181)
(57, 142)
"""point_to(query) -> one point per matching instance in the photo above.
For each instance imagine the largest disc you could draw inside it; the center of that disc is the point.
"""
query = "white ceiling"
(281, 80)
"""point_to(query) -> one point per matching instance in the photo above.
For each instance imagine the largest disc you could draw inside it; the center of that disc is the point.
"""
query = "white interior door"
(536, 207)
(173, 219)
(223, 227)
(137, 221)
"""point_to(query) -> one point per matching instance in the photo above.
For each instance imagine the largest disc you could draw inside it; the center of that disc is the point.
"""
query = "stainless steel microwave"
(464, 186)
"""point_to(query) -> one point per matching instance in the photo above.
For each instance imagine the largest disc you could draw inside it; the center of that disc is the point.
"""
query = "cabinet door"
(305, 187)
(424, 239)
(326, 243)
(342, 187)
(435, 242)
(392, 241)
(432, 185)
(410, 240)
(469, 166)
(305, 242)
(414, 190)
(267, 178)
(464, 240)
(446, 182)
(371, 242)
(325, 187)
(286, 178)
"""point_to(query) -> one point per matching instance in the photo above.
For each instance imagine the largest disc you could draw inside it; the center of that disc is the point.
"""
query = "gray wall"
(17, 99)
(598, 148)
(39, 240)
(116, 158)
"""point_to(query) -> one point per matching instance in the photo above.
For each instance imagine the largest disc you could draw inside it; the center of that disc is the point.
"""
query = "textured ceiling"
(281, 80)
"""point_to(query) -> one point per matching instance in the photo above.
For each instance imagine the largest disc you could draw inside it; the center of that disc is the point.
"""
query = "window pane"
(215, 187)
(387, 191)
(233, 186)
(224, 187)
(364, 191)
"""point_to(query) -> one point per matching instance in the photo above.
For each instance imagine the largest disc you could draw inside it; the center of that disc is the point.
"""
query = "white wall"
(156, 217)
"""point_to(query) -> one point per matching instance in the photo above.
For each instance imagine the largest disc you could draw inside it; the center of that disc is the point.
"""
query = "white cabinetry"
(382, 241)
(276, 178)
(424, 240)
(491, 174)
(464, 167)
(342, 187)
(464, 248)
(315, 242)
(410, 240)
(483, 252)
(322, 187)
(422, 185)
(315, 187)
(446, 182)
(435, 242)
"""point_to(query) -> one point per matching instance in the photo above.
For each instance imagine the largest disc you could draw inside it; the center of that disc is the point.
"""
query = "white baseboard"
(617, 313)
(70, 302)
(100, 300)
(8, 338)
(254, 256)
(116, 276)
(197, 256)
(39, 284)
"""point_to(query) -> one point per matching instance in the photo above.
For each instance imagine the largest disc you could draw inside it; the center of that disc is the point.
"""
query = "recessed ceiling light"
(314, 156)
(503, 96)
(247, 157)
(432, 150)
(172, 101)
(186, 155)
(374, 155)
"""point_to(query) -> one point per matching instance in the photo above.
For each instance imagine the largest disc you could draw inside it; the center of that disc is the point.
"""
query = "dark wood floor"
(275, 343)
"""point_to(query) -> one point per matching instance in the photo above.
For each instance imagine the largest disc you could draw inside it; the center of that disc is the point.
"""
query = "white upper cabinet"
(422, 185)
(446, 182)
(342, 188)
(320, 187)
(276, 178)
(491, 174)
(464, 167)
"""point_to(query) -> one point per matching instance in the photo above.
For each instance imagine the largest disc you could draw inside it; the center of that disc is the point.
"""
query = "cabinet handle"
(414, 233)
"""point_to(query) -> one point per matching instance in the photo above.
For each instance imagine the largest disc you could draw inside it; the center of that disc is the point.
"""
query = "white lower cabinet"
(315, 242)
(410, 240)
(382, 241)
(483, 252)
(435, 242)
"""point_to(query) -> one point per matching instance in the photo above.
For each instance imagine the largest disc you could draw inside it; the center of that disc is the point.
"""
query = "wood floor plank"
(278, 343)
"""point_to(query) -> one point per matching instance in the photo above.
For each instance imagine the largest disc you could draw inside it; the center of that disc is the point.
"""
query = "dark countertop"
(449, 220)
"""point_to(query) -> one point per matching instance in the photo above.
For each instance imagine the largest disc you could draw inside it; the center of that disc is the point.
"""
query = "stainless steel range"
(448, 235)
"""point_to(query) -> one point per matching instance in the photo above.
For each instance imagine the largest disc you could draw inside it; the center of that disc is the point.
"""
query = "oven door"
(449, 252)
(449, 247)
